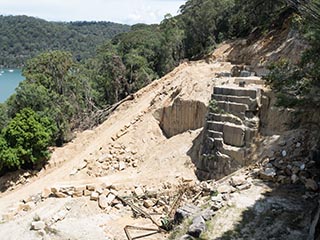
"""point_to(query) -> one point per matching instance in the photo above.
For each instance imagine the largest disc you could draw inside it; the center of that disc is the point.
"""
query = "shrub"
(25, 140)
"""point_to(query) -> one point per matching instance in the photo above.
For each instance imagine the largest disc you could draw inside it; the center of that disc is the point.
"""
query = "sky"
(121, 11)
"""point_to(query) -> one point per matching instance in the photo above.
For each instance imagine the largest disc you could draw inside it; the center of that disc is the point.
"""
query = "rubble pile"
(290, 162)
(116, 158)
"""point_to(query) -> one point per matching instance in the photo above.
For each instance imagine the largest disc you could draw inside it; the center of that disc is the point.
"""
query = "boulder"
(79, 191)
(110, 198)
(46, 192)
(148, 203)
(215, 206)
(122, 166)
(237, 181)
(26, 207)
(186, 237)
(185, 212)
(139, 191)
(94, 196)
(197, 227)
(207, 214)
(103, 202)
(38, 225)
(60, 195)
(311, 185)
(268, 174)
(90, 187)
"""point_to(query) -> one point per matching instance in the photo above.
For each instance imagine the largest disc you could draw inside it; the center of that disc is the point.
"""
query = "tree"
(172, 44)
(109, 78)
(299, 85)
(25, 140)
(54, 88)
(201, 20)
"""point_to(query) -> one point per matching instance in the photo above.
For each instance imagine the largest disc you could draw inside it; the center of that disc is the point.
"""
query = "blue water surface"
(9, 80)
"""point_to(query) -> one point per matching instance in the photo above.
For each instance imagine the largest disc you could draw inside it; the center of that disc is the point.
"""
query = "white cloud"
(124, 11)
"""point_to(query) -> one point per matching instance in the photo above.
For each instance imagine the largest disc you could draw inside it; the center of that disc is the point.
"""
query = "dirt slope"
(133, 129)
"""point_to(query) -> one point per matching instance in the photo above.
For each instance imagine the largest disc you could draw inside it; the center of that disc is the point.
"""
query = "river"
(9, 80)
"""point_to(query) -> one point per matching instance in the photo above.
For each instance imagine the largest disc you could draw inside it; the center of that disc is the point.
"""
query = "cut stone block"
(215, 126)
(237, 91)
(250, 80)
(236, 153)
(224, 118)
(234, 135)
(215, 134)
(232, 107)
(252, 103)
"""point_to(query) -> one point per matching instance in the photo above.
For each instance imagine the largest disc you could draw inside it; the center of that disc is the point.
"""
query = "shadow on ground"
(286, 212)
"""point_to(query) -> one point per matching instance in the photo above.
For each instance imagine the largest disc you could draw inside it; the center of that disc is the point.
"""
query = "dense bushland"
(25, 37)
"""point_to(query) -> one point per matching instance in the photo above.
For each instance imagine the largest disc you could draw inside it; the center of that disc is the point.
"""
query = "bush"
(25, 140)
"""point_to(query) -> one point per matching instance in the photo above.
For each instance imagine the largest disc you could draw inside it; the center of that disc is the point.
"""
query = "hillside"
(24, 37)
(146, 149)
(181, 141)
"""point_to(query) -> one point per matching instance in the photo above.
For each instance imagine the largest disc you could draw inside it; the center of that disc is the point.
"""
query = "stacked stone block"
(229, 132)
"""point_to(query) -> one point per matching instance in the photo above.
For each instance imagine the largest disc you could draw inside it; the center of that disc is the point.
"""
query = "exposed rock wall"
(230, 129)
(181, 116)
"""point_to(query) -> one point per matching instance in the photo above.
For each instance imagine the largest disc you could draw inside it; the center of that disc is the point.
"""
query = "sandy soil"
(160, 160)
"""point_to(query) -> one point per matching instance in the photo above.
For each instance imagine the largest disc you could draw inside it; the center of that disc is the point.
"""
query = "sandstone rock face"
(232, 124)
(181, 116)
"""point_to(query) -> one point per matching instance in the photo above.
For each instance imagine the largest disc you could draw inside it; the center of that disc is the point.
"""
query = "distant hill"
(23, 37)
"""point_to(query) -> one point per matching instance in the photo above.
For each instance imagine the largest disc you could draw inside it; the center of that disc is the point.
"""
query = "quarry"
(202, 153)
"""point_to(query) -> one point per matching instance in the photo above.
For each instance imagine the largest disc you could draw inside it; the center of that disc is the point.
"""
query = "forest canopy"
(25, 37)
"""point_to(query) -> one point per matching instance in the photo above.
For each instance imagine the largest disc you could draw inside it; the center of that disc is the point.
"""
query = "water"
(9, 80)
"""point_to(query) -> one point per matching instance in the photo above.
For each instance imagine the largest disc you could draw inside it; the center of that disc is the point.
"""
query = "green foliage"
(214, 108)
(25, 140)
(203, 22)
(108, 76)
(54, 88)
(299, 85)
(257, 14)
(4, 118)
(25, 37)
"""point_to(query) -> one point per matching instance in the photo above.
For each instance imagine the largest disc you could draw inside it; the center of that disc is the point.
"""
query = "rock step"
(224, 118)
(236, 153)
(218, 142)
(251, 133)
(215, 126)
(234, 135)
(237, 91)
(250, 80)
(214, 134)
(252, 122)
(232, 106)
(252, 103)
(221, 163)
(237, 109)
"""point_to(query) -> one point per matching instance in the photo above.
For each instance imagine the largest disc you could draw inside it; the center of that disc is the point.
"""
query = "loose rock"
(103, 202)
(39, 225)
(237, 181)
(94, 196)
(311, 185)
(197, 227)
(46, 193)
(268, 174)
